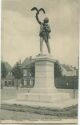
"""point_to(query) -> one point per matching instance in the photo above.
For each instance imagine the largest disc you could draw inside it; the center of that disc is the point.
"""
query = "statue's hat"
(46, 19)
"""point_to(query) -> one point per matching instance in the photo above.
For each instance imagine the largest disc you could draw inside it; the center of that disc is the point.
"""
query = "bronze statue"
(44, 30)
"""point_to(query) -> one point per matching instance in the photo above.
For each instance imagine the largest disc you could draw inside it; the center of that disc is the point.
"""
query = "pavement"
(41, 122)
(10, 117)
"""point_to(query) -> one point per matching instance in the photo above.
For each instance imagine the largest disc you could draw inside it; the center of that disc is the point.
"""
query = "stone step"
(42, 97)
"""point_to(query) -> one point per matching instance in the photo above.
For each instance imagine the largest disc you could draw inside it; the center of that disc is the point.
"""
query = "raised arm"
(37, 18)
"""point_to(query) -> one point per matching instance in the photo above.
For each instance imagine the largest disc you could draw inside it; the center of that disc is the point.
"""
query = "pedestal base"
(58, 96)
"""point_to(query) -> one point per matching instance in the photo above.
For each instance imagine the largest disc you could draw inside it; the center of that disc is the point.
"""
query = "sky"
(20, 30)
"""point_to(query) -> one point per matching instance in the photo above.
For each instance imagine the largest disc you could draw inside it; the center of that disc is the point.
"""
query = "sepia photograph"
(39, 62)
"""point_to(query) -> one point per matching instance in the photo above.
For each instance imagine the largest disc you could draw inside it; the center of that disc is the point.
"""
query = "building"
(9, 81)
(28, 67)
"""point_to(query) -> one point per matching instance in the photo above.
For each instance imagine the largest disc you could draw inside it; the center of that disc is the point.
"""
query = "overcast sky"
(20, 29)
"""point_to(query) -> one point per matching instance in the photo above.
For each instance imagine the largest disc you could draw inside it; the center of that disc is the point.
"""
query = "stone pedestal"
(44, 80)
(44, 73)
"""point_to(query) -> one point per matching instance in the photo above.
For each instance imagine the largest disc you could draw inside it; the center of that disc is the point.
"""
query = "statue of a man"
(44, 31)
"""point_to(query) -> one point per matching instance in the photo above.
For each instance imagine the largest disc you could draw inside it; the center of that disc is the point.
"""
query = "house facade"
(29, 72)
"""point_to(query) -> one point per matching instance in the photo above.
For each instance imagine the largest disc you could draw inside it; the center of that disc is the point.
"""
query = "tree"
(3, 70)
(17, 72)
(32, 70)
(57, 69)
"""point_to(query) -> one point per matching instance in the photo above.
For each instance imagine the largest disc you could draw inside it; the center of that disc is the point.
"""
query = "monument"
(44, 30)
(44, 92)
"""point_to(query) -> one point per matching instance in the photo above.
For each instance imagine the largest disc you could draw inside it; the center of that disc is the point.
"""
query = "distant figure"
(44, 30)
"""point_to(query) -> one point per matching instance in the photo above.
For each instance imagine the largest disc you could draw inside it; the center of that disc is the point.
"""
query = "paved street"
(22, 117)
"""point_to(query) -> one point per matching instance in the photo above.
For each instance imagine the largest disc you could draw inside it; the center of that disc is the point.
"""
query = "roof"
(68, 68)
(9, 76)
(28, 62)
